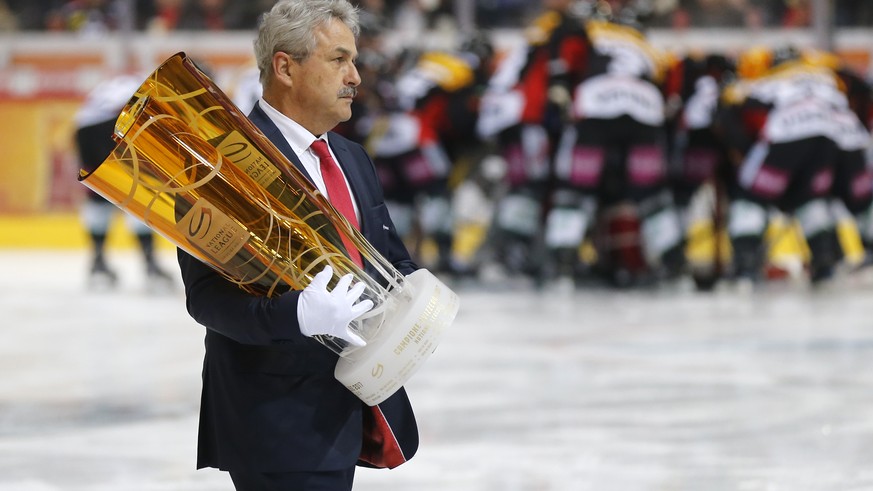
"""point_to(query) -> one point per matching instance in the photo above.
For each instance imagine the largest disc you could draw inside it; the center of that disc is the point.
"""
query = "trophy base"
(406, 339)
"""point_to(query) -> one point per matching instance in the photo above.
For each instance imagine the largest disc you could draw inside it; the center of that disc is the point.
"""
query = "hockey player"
(615, 148)
(698, 155)
(523, 119)
(697, 151)
(788, 109)
(419, 142)
(853, 170)
(95, 124)
(853, 175)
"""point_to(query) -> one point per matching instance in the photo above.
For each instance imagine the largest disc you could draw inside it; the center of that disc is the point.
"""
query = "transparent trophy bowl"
(192, 167)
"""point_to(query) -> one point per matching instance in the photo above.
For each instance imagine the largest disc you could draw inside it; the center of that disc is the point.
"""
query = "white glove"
(320, 312)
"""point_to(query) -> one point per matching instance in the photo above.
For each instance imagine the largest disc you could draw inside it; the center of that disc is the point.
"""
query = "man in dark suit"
(272, 413)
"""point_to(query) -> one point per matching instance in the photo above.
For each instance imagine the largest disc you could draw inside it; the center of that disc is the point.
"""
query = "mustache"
(348, 92)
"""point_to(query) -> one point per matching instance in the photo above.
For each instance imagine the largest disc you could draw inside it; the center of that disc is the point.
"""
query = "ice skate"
(101, 277)
(158, 280)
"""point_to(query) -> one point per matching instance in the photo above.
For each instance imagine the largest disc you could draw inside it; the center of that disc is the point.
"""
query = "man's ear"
(283, 67)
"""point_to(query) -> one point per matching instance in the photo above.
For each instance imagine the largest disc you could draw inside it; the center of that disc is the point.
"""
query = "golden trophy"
(192, 167)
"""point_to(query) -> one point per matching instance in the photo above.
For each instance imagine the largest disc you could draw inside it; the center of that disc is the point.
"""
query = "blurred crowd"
(170, 15)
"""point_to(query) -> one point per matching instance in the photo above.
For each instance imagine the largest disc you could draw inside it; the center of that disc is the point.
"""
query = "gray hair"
(290, 27)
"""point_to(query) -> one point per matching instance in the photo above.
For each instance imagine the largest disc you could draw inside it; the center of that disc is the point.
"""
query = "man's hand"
(321, 312)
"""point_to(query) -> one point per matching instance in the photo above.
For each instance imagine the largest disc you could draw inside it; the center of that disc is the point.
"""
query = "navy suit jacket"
(270, 402)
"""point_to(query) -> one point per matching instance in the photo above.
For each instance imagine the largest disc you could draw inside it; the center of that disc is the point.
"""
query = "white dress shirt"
(300, 139)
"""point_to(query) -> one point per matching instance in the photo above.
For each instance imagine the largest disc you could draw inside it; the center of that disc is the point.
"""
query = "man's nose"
(354, 78)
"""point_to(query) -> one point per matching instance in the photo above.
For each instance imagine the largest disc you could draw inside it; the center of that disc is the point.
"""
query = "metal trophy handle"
(192, 167)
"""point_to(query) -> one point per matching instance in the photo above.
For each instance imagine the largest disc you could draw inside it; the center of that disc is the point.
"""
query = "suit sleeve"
(222, 306)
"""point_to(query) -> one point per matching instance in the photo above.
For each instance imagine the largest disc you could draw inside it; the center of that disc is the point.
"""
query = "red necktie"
(380, 447)
(337, 193)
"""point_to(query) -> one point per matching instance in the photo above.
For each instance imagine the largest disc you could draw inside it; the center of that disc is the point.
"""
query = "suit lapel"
(271, 131)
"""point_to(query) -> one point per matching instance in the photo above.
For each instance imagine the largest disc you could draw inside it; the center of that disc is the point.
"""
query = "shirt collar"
(298, 137)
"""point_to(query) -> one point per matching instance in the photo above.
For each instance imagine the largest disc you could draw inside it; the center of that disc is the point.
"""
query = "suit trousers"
(340, 480)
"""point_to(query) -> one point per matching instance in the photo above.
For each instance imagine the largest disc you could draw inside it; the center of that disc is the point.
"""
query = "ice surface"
(572, 391)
